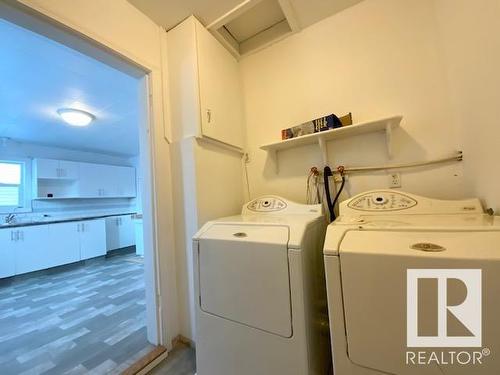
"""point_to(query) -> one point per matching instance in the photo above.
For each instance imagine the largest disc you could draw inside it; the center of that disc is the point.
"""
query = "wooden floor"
(85, 319)
(180, 361)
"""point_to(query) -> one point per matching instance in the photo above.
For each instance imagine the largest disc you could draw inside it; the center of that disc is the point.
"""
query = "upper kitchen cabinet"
(106, 181)
(55, 178)
(62, 179)
(55, 169)
(205, 88)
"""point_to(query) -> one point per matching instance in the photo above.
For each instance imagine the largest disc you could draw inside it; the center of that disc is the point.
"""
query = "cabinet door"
(64, 243)
(46, 168)
(92, 238)
(220, 90)
(31, 248)
(112, 233)
(68, 170)
(91, 180)
(125, 182)
(7, 258)
(126, 231)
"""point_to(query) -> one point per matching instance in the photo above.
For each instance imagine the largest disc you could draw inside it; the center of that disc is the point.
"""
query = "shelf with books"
(321, 138)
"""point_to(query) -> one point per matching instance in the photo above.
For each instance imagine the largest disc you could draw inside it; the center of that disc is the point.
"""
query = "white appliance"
(377, 237)
(261, 298)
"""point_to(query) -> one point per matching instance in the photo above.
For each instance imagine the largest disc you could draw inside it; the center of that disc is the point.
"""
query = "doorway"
(98, 184)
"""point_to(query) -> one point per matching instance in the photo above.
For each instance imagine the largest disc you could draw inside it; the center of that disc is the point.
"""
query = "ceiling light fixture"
(75, 117)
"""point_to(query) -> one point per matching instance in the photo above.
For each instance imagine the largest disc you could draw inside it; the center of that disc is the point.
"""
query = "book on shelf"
(317, 125)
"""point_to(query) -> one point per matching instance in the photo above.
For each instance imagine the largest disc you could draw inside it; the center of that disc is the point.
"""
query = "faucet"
(11, 218)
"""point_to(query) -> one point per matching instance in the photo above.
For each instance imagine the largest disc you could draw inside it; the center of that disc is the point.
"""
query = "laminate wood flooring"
(81, 319)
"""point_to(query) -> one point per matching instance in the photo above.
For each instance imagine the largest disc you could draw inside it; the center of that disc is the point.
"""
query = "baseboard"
(148, 362)
(183, 340)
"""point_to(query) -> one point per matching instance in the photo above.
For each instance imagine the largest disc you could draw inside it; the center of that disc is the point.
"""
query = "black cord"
(338, 193)
(327, 172)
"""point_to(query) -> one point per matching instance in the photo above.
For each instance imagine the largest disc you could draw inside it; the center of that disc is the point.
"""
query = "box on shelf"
(315, 126)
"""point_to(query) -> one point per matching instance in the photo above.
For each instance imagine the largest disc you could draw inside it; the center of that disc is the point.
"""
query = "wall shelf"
(321, 138)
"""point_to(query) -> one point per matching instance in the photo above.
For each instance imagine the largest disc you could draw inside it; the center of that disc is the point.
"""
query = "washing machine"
(413, 286)
(260, 291)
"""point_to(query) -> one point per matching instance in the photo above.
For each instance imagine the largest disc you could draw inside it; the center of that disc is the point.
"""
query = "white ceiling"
(170, 13)
(39, 76)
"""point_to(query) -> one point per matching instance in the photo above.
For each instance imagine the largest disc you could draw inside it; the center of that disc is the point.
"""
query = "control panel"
(273, 204)
(379, 202)
(267, 204)
(382, 201)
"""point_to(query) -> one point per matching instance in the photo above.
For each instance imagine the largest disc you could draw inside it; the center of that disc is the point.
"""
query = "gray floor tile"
(80, 319)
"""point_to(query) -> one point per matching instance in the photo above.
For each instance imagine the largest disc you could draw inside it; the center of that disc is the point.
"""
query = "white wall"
(471, 41)
(376, 59)
(208, 186)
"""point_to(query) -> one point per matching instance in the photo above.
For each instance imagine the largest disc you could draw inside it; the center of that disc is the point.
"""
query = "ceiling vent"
(254, 25)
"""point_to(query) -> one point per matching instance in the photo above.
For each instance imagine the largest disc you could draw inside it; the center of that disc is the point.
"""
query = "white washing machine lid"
(399, 211)
(337, 231)
(297, 226)
(274, 211)
(374, 266)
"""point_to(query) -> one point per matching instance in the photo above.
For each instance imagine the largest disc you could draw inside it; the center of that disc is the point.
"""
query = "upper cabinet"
(56, 169)
(106, 181)
(59, 179)
(205, 88)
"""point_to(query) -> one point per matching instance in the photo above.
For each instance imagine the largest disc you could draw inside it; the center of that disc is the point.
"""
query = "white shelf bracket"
(388, 139)
(273, 157)
(324, 150)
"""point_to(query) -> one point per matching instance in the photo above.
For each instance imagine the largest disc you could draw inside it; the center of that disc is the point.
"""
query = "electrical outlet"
(395, 180)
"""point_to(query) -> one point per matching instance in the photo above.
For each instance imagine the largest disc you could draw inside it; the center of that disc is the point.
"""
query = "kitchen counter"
(55, 220)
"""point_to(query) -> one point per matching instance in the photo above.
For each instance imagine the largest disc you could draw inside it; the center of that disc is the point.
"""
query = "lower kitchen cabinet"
(120, 232)
(64, 241)
(92, 238)
(7, 254)
(31, 248)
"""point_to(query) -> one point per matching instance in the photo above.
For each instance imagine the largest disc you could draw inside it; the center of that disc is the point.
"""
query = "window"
(14, 194)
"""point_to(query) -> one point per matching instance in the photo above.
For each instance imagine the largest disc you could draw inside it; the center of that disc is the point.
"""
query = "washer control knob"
(379, 199)
(266, 203)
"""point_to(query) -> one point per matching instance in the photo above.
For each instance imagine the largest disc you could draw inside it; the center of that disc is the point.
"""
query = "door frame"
(159, 265)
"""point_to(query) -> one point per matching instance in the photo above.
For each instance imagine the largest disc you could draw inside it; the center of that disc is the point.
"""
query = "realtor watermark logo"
(444, 310)
(467, 311)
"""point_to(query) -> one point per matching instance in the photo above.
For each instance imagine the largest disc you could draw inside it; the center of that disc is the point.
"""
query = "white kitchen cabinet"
(69, 169)
(120, 232)
(92, 238)
(206, 95)
(106, 181)
(93, 179)
(7, 254)
(55, 169)
(64, 244)
(31, 248)
(124, 182)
